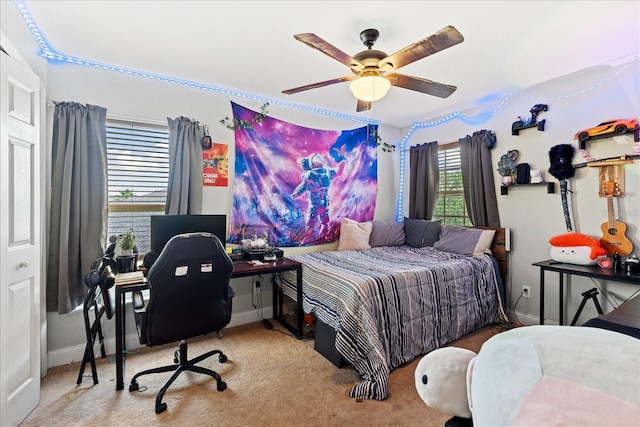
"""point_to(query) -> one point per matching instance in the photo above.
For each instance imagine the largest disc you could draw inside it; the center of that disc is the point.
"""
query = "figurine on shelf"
(535, 176)
(517, 125)
(507, 165)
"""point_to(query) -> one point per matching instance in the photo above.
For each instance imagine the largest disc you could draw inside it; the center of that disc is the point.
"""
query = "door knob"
(24, 264)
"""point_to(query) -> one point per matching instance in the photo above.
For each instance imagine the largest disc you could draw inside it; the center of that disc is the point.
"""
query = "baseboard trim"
(527, 319)
(73, 354)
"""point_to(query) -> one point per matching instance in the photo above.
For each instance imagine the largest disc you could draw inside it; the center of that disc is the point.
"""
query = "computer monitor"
(164, 227)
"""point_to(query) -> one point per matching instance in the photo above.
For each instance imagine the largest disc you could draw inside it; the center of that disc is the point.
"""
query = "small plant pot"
(126, 264)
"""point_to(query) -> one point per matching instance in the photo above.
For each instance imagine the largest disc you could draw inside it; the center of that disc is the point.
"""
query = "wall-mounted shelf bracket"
(551, 187)
(518, 125)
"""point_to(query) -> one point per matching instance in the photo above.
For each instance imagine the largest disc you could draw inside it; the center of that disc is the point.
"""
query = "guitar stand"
(586, 296)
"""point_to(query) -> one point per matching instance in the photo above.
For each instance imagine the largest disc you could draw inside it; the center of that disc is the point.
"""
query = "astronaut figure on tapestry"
(297, 183)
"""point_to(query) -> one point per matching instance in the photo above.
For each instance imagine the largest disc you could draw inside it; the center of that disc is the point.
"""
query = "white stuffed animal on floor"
(542, 375)
(441, 380)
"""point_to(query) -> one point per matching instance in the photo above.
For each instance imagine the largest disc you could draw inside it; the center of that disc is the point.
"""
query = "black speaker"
(523, 173)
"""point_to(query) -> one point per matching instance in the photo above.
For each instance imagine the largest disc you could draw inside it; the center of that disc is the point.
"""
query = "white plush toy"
(542, 375)
(576, 248)
(441, 380)
(536, 176)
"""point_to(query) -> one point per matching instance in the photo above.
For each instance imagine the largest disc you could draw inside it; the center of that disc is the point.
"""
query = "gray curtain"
(424, 176)
(477, 178)
(78, 213)
(184, 192)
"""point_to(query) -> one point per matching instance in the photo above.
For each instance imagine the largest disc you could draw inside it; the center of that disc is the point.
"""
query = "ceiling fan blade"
(318, 84)
(363, 106)
(444, 38)
(421, 85)
(328, 49)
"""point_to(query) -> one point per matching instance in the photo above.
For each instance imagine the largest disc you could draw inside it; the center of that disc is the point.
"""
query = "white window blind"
(138, 173)
(450, 207)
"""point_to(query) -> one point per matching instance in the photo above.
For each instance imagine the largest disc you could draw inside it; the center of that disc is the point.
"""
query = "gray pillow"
(464, 241)
(386, 234)
(421, 232)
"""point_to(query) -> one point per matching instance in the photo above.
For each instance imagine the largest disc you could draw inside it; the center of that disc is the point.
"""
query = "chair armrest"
(140, 315)
(137, 300)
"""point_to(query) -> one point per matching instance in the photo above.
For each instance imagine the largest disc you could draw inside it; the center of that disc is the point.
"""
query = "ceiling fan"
(374, 70)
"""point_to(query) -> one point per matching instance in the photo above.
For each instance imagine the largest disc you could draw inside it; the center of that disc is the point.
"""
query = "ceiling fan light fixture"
(370, 87)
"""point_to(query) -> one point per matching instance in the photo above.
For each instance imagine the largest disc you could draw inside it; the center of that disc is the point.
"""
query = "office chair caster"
(222, 386)
(160, 407)
(222, 358)
(134, 386)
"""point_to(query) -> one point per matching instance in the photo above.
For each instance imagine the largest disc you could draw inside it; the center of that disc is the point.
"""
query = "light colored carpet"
(272, 378)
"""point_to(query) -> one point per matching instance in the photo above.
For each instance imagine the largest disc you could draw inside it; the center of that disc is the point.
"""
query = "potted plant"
(126, 259)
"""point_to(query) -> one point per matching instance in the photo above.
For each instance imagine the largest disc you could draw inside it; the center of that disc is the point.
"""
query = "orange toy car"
(618, 126)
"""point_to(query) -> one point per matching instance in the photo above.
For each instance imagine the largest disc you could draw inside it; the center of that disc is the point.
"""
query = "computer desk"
(592, 271)
(240, 269)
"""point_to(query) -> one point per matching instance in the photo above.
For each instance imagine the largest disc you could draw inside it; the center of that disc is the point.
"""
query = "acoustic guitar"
(613, 239)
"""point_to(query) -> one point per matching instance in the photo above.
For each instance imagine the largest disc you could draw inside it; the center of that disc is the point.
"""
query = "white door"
(19, 241)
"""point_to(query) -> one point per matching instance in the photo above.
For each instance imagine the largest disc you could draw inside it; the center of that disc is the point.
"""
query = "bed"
(389, 304)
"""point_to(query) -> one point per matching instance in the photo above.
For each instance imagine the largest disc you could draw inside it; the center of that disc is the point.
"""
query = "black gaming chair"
(189, 297)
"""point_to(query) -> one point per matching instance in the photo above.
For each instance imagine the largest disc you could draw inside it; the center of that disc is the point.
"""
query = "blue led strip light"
(53, 56)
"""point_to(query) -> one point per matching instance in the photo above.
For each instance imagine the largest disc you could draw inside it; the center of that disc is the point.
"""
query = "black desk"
(244, 269)
(592, 271)
(240, 269)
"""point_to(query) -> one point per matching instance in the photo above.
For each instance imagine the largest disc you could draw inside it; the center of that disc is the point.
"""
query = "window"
(450, 207)
(138, 173)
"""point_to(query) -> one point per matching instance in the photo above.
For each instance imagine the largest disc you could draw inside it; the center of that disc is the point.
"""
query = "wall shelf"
(517, 126)
(551, 187)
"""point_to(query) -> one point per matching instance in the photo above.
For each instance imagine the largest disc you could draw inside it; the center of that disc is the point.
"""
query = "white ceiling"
(248, 46)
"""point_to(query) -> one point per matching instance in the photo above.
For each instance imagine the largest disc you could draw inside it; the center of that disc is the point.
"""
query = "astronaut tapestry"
(296, 183)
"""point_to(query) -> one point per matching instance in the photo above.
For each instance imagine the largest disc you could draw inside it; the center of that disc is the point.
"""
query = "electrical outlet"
(256, 288)
(526, 291)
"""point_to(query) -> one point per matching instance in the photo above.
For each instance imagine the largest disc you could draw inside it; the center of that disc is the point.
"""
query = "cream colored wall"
(576, 102)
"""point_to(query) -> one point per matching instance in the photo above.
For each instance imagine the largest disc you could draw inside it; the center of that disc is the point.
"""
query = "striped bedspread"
(390, 305)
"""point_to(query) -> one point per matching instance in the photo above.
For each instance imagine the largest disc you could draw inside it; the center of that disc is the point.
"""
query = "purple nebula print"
(296, 184)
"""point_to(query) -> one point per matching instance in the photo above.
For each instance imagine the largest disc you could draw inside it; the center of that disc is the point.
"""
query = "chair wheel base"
(222, 386)
(133, 386)
(160, 408)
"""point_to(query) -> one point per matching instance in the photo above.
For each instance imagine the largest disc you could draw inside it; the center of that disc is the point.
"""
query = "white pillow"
(354, 235)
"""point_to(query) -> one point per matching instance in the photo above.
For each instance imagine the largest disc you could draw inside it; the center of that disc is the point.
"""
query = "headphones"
(94, 278)
(149, 259)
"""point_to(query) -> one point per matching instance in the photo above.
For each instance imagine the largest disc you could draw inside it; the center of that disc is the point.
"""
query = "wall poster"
(215, 165)
(296, 184)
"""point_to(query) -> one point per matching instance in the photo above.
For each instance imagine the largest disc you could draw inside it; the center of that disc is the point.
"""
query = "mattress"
(389, 305)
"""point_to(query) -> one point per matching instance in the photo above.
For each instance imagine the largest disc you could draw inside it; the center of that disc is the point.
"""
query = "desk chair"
(100, 300)
(188, 296)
